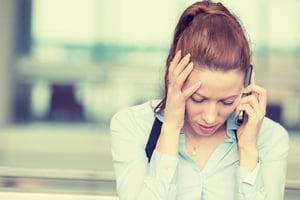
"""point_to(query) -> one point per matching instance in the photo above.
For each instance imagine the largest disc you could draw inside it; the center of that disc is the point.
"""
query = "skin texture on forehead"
(216, 84)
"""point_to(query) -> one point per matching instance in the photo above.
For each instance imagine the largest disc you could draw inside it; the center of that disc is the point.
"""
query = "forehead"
(216, 83)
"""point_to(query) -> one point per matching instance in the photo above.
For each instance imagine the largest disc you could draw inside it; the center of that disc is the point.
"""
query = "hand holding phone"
(241, 116)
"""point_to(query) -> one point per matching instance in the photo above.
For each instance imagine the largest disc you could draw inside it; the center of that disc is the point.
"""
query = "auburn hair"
(213, 36)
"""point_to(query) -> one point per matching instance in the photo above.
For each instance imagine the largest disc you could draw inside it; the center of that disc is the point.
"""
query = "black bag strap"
(153, 137)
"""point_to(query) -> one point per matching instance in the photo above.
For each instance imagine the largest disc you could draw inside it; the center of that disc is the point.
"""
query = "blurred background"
(67, 66)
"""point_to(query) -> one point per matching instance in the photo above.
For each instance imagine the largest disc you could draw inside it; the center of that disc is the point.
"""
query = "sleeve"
(135, 177)
(267, 180)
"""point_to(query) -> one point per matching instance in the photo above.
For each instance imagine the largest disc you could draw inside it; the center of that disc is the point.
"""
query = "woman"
(201, 153)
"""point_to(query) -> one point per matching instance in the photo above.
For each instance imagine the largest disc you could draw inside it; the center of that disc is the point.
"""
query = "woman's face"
(210, 106)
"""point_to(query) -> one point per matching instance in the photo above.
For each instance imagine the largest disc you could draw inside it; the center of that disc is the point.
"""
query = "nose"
(210, 113)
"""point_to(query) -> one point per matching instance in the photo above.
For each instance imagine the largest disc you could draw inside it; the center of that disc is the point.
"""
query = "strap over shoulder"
(153, 137)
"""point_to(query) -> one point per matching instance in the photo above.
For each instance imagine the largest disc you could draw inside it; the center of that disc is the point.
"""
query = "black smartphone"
(241, 116)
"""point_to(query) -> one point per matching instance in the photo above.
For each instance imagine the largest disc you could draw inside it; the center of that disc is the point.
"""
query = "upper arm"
(129, 158)
(273, 159)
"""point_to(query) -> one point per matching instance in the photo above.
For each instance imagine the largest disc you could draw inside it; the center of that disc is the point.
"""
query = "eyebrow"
(226, 98)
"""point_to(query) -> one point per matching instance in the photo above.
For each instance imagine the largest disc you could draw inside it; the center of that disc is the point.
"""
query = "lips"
(207, 129)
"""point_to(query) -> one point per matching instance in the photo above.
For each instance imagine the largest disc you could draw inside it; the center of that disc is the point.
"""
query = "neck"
(196, 143)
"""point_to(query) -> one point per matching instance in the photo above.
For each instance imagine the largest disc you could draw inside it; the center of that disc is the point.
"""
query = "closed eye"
(200, 100)
(227, 103)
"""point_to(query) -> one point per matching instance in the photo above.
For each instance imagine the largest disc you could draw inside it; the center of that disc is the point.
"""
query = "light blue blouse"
(170, 178)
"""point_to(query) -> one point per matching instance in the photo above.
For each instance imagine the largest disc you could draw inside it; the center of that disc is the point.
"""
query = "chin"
(207, 132)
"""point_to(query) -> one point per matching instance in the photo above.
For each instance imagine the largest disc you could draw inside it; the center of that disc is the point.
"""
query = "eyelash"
(227, 103)
(197, 101)
(202, 100)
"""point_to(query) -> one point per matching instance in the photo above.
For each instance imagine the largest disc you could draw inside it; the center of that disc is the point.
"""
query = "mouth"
(207, 129)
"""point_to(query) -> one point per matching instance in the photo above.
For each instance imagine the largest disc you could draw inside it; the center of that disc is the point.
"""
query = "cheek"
(192, 109)
(227, 110)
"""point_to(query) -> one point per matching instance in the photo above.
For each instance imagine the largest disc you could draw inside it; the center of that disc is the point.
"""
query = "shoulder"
(130, 129)
(270, 128)
(273, 137)
(134, 119)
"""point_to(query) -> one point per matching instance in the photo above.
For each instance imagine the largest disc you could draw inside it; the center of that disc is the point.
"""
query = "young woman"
(201, 153)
